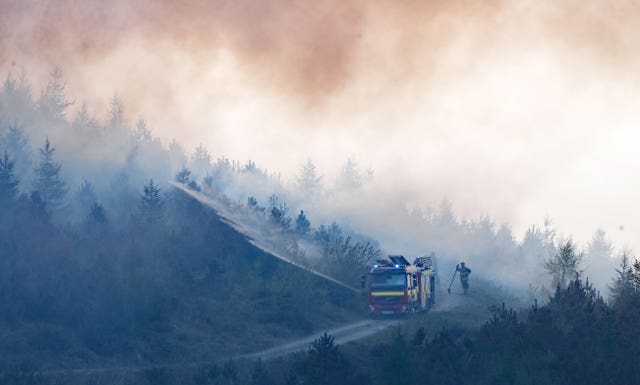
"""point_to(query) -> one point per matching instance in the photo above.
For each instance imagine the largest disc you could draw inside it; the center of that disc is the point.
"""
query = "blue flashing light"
(375, 265)
(397, 265)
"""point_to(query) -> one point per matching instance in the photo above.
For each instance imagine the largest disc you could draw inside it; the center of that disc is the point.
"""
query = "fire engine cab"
(398, 287)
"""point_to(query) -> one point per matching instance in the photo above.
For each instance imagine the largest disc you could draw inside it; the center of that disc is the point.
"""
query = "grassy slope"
(195, 291)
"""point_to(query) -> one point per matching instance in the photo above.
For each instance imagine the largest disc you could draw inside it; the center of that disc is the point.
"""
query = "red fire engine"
(398, 287)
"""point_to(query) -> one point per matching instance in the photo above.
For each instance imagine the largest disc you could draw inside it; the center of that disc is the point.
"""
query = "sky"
(513, 109)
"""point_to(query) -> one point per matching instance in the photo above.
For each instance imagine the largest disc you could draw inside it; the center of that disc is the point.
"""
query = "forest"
(103, 263)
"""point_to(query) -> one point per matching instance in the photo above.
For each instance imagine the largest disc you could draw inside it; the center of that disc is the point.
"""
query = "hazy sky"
(515, 109)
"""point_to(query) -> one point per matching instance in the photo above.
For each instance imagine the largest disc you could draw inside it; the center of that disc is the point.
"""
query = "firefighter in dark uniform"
(464, 276)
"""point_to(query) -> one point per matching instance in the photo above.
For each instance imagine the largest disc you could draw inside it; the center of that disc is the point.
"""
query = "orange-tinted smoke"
(312, 48)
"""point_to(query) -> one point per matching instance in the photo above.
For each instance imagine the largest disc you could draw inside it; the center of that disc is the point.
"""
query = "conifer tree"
(308, 181)
(201, 161)
(115, 119)
(350, 177)
(8, 181)
(96, 217)
(184, 177)
(565, 264)
(86, 122)
(151, 203)
(16, 102)
(623, 283)
(260, 375)
(49, 183)
(86, 196)
(302, 224)
(15, 142)
(279, 211)
(598, 261)
(53, 102)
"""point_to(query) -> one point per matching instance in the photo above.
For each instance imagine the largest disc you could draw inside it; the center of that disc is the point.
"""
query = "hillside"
(184, 289)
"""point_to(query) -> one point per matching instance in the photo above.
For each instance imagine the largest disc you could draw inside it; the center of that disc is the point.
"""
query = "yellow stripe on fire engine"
(389, 293)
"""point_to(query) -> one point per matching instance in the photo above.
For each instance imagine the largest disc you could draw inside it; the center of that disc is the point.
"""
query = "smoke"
(513, 109)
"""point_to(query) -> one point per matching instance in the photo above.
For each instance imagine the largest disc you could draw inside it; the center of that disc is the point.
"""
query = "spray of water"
(254, 237)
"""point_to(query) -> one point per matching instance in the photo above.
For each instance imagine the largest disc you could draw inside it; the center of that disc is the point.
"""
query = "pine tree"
(598, 261)
(260, 375)
(115, 119)
(350, 177)
(307, 181)
(85, 125)
(549, 237)
(250, 167)
(49, 184)
(532, 246)
(184, 177)
(86, 196)
(142, 133)
(302, 224)
(53, 102)
(324, 364)
(15, 142)
(16, 102)
(279, 211)
(151, 203)
(201, 161)
(96, 216)
(176, 153)
(565, 264)
(623, 283)
(8, 181)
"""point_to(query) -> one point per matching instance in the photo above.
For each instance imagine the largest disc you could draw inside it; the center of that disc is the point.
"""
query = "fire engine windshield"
(386, 280)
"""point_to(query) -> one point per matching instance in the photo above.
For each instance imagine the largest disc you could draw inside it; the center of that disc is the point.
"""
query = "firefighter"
(464, 276)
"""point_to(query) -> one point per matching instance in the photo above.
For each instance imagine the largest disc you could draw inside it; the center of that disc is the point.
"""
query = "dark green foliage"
(226, 374)
(565, 264)
(16, 102)
(344, 258)
(302, 224)
(49, 183)
(207, 374)
(260, 375)
(574, 339)
(229, 374)
(22, 373)
(278, 212)
(86, 196)
(8, 181)
(151, 203)
(395, 367)
(53, 102)
(184, 177)
(110, 291)
(16, 144)
(324, 364)
(156, 376)
(97, 216)
(292, 379)
(193, 289)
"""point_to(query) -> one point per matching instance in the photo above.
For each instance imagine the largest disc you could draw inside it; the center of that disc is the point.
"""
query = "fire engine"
(398, 287)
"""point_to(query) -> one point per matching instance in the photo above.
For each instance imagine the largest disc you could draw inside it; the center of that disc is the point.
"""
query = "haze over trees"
(102, 260)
